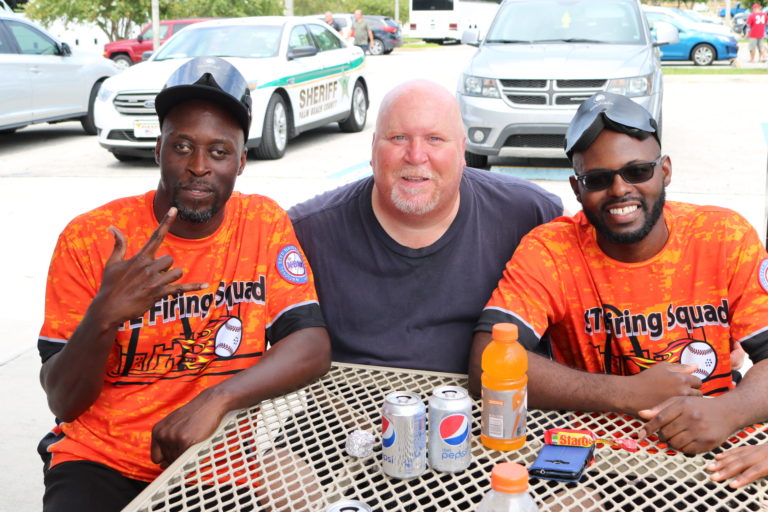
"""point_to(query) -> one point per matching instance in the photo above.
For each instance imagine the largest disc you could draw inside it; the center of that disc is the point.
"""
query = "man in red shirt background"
(756, 23)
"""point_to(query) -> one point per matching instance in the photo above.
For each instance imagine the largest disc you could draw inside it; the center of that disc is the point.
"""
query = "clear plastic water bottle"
(509, 490)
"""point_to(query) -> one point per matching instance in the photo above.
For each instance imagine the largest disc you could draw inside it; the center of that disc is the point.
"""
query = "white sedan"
(43, 79)
(301, 73)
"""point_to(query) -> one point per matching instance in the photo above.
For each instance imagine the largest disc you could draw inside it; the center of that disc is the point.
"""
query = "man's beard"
(416, 204)
(193, 214)
(634, 236)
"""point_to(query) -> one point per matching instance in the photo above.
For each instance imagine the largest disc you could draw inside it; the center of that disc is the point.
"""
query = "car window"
(253, 41)
(149, 33)
(373, 22)
(299, 37)
(653, 17)
(341, 21)
(604, 21)
(180, 26)
(326, 40)
(5, 43)
(31, 41)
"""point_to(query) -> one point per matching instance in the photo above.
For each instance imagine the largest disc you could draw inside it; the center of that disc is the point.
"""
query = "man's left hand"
(184, 427)
(689, 424)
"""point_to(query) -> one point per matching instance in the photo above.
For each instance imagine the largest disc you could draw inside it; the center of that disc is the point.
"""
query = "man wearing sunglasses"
(641, 301)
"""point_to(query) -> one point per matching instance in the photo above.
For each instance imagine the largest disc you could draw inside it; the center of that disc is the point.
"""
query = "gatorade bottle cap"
(509, 477)
(504, 332)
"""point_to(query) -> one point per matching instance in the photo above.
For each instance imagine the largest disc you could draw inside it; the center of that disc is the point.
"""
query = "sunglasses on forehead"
(601, 179)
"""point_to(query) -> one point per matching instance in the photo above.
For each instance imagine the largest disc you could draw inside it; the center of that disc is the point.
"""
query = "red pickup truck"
(126, 52)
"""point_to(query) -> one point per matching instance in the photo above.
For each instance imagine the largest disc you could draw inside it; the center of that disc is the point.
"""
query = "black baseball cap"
(606, 110)
(211, 79)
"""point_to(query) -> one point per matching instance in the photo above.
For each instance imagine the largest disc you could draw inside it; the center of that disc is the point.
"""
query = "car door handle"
(34, 69)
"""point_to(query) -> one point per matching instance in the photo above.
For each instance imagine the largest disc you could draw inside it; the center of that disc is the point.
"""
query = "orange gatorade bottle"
(505, 390)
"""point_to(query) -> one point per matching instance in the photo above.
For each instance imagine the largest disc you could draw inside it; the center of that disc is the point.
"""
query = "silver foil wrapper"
(360, 443)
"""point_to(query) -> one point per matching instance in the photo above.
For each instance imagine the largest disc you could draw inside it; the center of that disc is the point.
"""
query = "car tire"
(89, 125)
(387, 52)
(475, 160)
(358, 111)
(703, 54)
(122, 157)
(274, 137)
(377, 48)
(122, 61)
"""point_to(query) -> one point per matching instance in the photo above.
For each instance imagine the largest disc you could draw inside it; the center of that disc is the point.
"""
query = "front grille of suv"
(535, 140)
(557, 93)
(135, 104)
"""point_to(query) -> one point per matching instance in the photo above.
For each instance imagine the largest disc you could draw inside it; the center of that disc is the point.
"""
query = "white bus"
(438, 21)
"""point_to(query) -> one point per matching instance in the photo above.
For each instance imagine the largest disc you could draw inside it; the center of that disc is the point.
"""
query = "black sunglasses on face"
(601, 179)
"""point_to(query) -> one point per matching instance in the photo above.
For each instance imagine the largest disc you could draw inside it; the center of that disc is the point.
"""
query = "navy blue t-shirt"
(390, 305)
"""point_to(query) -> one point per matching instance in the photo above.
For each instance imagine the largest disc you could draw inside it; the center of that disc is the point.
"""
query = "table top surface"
(288, 453)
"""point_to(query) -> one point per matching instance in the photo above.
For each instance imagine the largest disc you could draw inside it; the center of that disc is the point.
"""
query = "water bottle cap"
(509, 477)
(504, 332)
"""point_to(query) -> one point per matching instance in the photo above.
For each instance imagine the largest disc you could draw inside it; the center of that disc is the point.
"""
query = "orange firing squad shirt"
(705, 291)
(259, 287)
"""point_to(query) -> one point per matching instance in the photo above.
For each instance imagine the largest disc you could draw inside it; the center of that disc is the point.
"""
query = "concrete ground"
(737, 179)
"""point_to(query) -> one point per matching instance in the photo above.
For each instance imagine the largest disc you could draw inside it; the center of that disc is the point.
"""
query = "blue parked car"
(698, 43)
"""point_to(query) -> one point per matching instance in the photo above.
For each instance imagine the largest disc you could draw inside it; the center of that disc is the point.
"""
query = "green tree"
(384, 8)
(118, 18)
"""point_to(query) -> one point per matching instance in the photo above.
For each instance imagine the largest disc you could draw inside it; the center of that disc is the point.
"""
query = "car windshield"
(250, 41)
(567, 21)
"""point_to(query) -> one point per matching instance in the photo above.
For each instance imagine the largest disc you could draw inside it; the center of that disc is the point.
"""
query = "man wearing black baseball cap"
(159, 307)
(643, 300)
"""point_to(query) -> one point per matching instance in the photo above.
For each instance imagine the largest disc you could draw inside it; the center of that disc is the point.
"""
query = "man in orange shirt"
(167, 310)
(643, 300)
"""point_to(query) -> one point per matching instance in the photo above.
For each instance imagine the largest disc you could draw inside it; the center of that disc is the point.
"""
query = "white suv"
(541, 59)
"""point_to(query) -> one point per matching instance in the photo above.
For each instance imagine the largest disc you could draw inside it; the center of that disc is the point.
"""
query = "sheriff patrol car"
(301, 73)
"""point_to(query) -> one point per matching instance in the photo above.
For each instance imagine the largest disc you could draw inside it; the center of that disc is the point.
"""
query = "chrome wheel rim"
(358, 105)
(280, 126)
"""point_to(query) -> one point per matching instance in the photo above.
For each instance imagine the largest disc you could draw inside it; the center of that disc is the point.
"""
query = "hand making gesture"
(130, 287)
(73, 378)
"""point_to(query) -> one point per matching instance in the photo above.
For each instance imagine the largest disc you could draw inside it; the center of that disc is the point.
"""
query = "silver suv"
(541, 59)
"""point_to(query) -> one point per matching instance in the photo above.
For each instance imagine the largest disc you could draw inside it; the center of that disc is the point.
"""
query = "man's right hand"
(73, 377)
(656, 384)
(130, 287)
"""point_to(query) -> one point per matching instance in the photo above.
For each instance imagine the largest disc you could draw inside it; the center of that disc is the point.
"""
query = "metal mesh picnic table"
(288, 454)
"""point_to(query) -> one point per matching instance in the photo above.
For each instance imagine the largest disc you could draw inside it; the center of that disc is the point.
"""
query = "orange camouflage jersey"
(706, 290)
(259, 291)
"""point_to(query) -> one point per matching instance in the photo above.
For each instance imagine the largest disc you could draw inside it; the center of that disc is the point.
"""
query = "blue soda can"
(403, 435)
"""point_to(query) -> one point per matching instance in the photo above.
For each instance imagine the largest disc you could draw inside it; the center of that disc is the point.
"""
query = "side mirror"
(665, 33)
(64, 49)
(140, 37)
(301, 51)
(471, 37)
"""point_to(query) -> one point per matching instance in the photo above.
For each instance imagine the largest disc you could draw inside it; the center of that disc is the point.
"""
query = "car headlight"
(479, 86)
(104, 92)
(633, 86)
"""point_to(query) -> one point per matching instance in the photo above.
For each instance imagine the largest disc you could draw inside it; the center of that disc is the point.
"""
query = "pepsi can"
(348, 506)
(403, 435)
(450, 429)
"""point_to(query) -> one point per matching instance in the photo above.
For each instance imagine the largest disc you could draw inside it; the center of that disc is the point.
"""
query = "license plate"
(146, 128)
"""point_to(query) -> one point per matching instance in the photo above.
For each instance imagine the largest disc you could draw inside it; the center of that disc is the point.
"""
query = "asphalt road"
(713, 130)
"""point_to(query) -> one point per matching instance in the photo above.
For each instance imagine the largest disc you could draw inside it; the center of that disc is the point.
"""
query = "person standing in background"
(756, 23)
(362, 31)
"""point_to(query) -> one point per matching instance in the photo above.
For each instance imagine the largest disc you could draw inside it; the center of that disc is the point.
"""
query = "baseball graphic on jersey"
(228, 337)
(702, 355)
